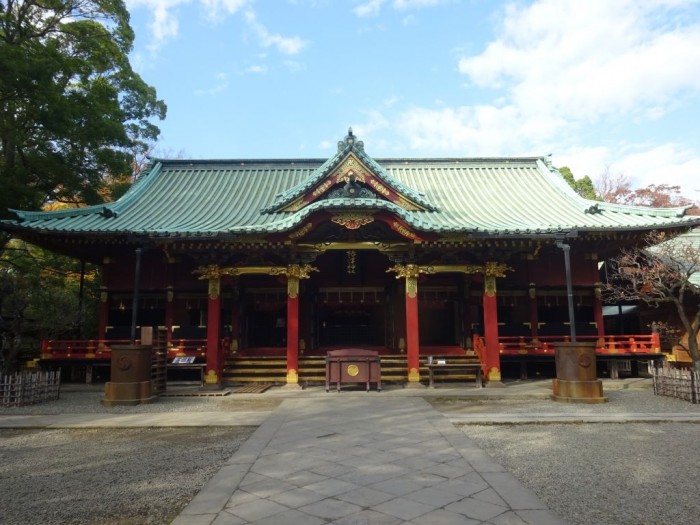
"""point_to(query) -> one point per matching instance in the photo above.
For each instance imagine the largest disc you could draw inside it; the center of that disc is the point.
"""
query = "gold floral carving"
(322, 188)
(292, 287)
(301, 271)
(413, 375)
(378, 187)
(169, 295)
(494, 374)
(103, 297)
(293, 272)
(410, 272)
(301, 231)
(211, 378)
(352, 221)
(292, 377)
(403, 230)
(214, 271)
(489, 285)
(296, 205)
(214, 288)
(406, 204)
(494, 269)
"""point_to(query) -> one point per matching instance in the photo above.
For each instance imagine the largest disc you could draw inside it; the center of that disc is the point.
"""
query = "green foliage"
(72, 111)
(40, 299)
(583, 186)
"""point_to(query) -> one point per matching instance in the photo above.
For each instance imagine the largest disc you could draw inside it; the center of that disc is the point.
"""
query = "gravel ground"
(108, 477)
(604, 474)
(600, 474)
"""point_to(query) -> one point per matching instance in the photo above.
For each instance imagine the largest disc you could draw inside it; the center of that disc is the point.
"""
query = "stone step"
(312, 369)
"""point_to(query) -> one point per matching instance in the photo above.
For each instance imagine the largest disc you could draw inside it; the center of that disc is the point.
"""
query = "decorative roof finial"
(350, 140)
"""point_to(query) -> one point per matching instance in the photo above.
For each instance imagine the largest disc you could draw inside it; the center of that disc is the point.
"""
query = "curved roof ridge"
(107, 209)
(289, 221)
(554, 176)
(678, 211)
(346, 147)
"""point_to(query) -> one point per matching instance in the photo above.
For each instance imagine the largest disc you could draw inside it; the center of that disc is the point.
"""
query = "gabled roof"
(231, 198)
(350, 163)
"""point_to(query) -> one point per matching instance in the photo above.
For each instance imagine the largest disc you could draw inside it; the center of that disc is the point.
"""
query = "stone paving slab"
(540, 418)
(137, 420)
(354, 460)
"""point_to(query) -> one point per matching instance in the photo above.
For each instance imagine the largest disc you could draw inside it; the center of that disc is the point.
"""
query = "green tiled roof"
(226, 198)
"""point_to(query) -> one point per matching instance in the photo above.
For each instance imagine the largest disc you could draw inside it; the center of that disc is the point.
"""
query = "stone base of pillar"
(128, 394)
(589, 392)
(292, 386)
(414, 384)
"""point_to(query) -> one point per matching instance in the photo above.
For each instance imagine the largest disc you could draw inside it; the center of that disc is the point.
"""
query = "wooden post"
(598, 311)
(493, 360)
(534, 316)
(214, 368)
(412, 335)
(294, 273)
(103, 314)
(292, 330)
(169, 313)
(235, 318)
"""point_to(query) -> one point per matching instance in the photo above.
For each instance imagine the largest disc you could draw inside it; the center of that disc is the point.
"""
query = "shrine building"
(288, 259)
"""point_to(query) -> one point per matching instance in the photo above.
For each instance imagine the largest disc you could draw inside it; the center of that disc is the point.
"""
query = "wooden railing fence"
(28, 388)
(681, 383)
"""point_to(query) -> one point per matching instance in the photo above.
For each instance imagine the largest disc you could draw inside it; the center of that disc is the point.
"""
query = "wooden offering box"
(353, 365)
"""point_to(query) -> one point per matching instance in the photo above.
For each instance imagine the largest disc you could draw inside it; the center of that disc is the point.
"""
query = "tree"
(660, 273)
(40, 298)
(72, 110)
(583, 186)
(618, 189)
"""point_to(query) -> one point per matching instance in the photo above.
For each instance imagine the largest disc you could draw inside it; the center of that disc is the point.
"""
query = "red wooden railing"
(100, 349)
(607, 345)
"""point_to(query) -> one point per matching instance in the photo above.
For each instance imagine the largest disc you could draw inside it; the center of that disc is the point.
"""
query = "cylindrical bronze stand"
(130, 376)
(576, 380)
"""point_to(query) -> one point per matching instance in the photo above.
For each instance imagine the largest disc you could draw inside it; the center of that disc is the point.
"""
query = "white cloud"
(257, 69)
(286, 45)
(668, 163)
(586, 60)
(370, 8)
(165, 23)
(559, 68)
(214, 7)
(373, 7)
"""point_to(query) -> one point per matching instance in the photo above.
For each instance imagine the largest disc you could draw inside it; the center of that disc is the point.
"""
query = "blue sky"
(602, 85)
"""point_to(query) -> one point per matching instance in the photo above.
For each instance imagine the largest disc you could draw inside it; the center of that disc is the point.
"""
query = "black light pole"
(135, 302)
(81, 292)
(569, 287)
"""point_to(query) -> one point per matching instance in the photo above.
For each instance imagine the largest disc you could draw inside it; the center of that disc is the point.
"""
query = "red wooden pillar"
(412, 335)
(410, 272)
(294, 273)
(292, 330)
(214, 368)
(103, 315)
(493, 360)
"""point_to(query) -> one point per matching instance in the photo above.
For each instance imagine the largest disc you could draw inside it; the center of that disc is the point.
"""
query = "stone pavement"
(362, 460)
